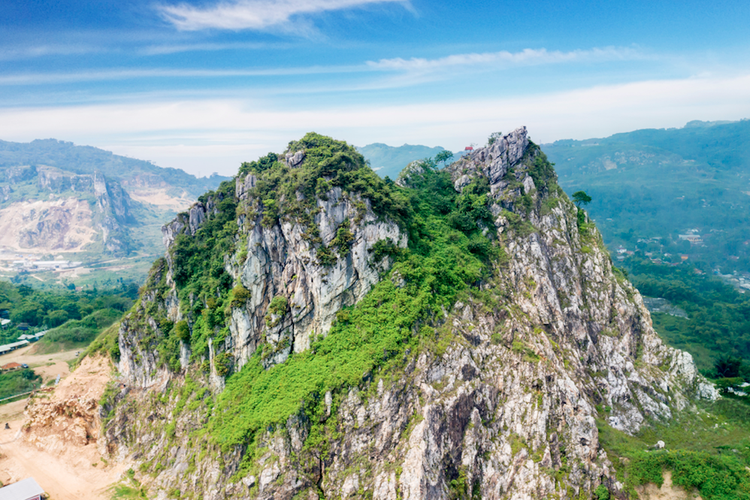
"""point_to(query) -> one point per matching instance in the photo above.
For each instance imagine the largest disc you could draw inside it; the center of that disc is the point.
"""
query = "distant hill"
(80, 203)
(651, 186)
(130, 172)
(388, 161)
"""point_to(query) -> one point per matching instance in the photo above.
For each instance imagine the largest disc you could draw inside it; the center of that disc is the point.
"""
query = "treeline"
(718, 322)
(37, 309)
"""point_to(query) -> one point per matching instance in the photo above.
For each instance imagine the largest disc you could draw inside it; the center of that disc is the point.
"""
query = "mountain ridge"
(263, 361)
(390, 160)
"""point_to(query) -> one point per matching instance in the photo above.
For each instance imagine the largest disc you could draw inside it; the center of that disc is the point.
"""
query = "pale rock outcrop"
(508, 409)
(283, 263)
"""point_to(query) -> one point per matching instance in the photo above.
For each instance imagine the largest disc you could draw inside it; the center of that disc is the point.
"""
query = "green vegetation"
(652, 185)
(129, 488)
(708, 449)
(18, 382)
(106, 344)
(443, 157)
(78, 333)
(601, 492)
(718, 320)
(75, 318)
(280, 193)
(444, 259)
(447, 256)
(581, 198)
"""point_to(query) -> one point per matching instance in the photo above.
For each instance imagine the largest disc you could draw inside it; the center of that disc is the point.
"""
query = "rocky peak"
(493, 160)
(302, 249)
(481, 363)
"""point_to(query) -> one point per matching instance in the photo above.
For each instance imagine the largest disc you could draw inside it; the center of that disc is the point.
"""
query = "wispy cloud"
(158, 50)
(410, 71)
(503, 58)
(254, 14)
(173, 132)
(28, 52)
(130, 74)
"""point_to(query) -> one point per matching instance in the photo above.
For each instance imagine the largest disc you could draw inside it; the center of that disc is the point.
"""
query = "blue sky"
(204, 85)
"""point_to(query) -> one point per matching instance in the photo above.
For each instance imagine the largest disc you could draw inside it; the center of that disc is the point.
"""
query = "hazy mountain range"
(651, 186)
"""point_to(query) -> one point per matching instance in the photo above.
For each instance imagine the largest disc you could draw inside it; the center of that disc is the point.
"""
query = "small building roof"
(24, 489)
(15, 345)
(5, 322)
(11, 366)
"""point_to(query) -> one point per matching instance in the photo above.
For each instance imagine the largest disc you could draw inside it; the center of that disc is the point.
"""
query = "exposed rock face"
(66, 417)
(284, 264)
(76, 212)
(57, 423)
(60, 225)
(507, 409)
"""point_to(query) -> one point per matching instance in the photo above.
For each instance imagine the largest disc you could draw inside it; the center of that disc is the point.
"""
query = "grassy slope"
(707, 448)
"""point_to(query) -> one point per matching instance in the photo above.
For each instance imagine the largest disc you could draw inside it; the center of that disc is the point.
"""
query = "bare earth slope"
(56, 439)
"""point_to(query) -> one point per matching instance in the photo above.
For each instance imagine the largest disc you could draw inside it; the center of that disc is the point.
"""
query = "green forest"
(718, 321)
(71, 318)
(651, 186)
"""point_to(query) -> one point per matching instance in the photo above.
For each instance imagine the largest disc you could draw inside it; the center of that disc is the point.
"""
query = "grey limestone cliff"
(507, 409)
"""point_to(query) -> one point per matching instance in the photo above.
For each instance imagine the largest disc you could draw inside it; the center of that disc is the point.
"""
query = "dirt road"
(49, 366)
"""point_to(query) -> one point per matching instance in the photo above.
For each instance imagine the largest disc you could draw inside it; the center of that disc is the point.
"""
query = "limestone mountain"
(56, 197)
(317, 332)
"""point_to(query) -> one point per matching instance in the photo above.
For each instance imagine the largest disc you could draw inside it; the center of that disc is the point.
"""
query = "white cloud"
(158, 50)
(206, 135)
(410, 71)
(253, 14)
(32, 51)
(504, 58)
(130, 74)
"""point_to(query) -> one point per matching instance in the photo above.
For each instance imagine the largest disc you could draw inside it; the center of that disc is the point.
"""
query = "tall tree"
(581, 198)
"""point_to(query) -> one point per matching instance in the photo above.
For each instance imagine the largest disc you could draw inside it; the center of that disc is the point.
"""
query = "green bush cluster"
(18, 381)
(78, 333)
(343, 240)
(282, 192)
(707, 448)
(71, 311)
(717, 477)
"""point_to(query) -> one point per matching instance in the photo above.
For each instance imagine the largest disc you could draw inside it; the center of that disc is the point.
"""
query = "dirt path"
(49, 366)
(61, 478)
(668, 491)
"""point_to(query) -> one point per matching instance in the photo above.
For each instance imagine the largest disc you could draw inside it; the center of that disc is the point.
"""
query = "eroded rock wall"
(508, 407)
